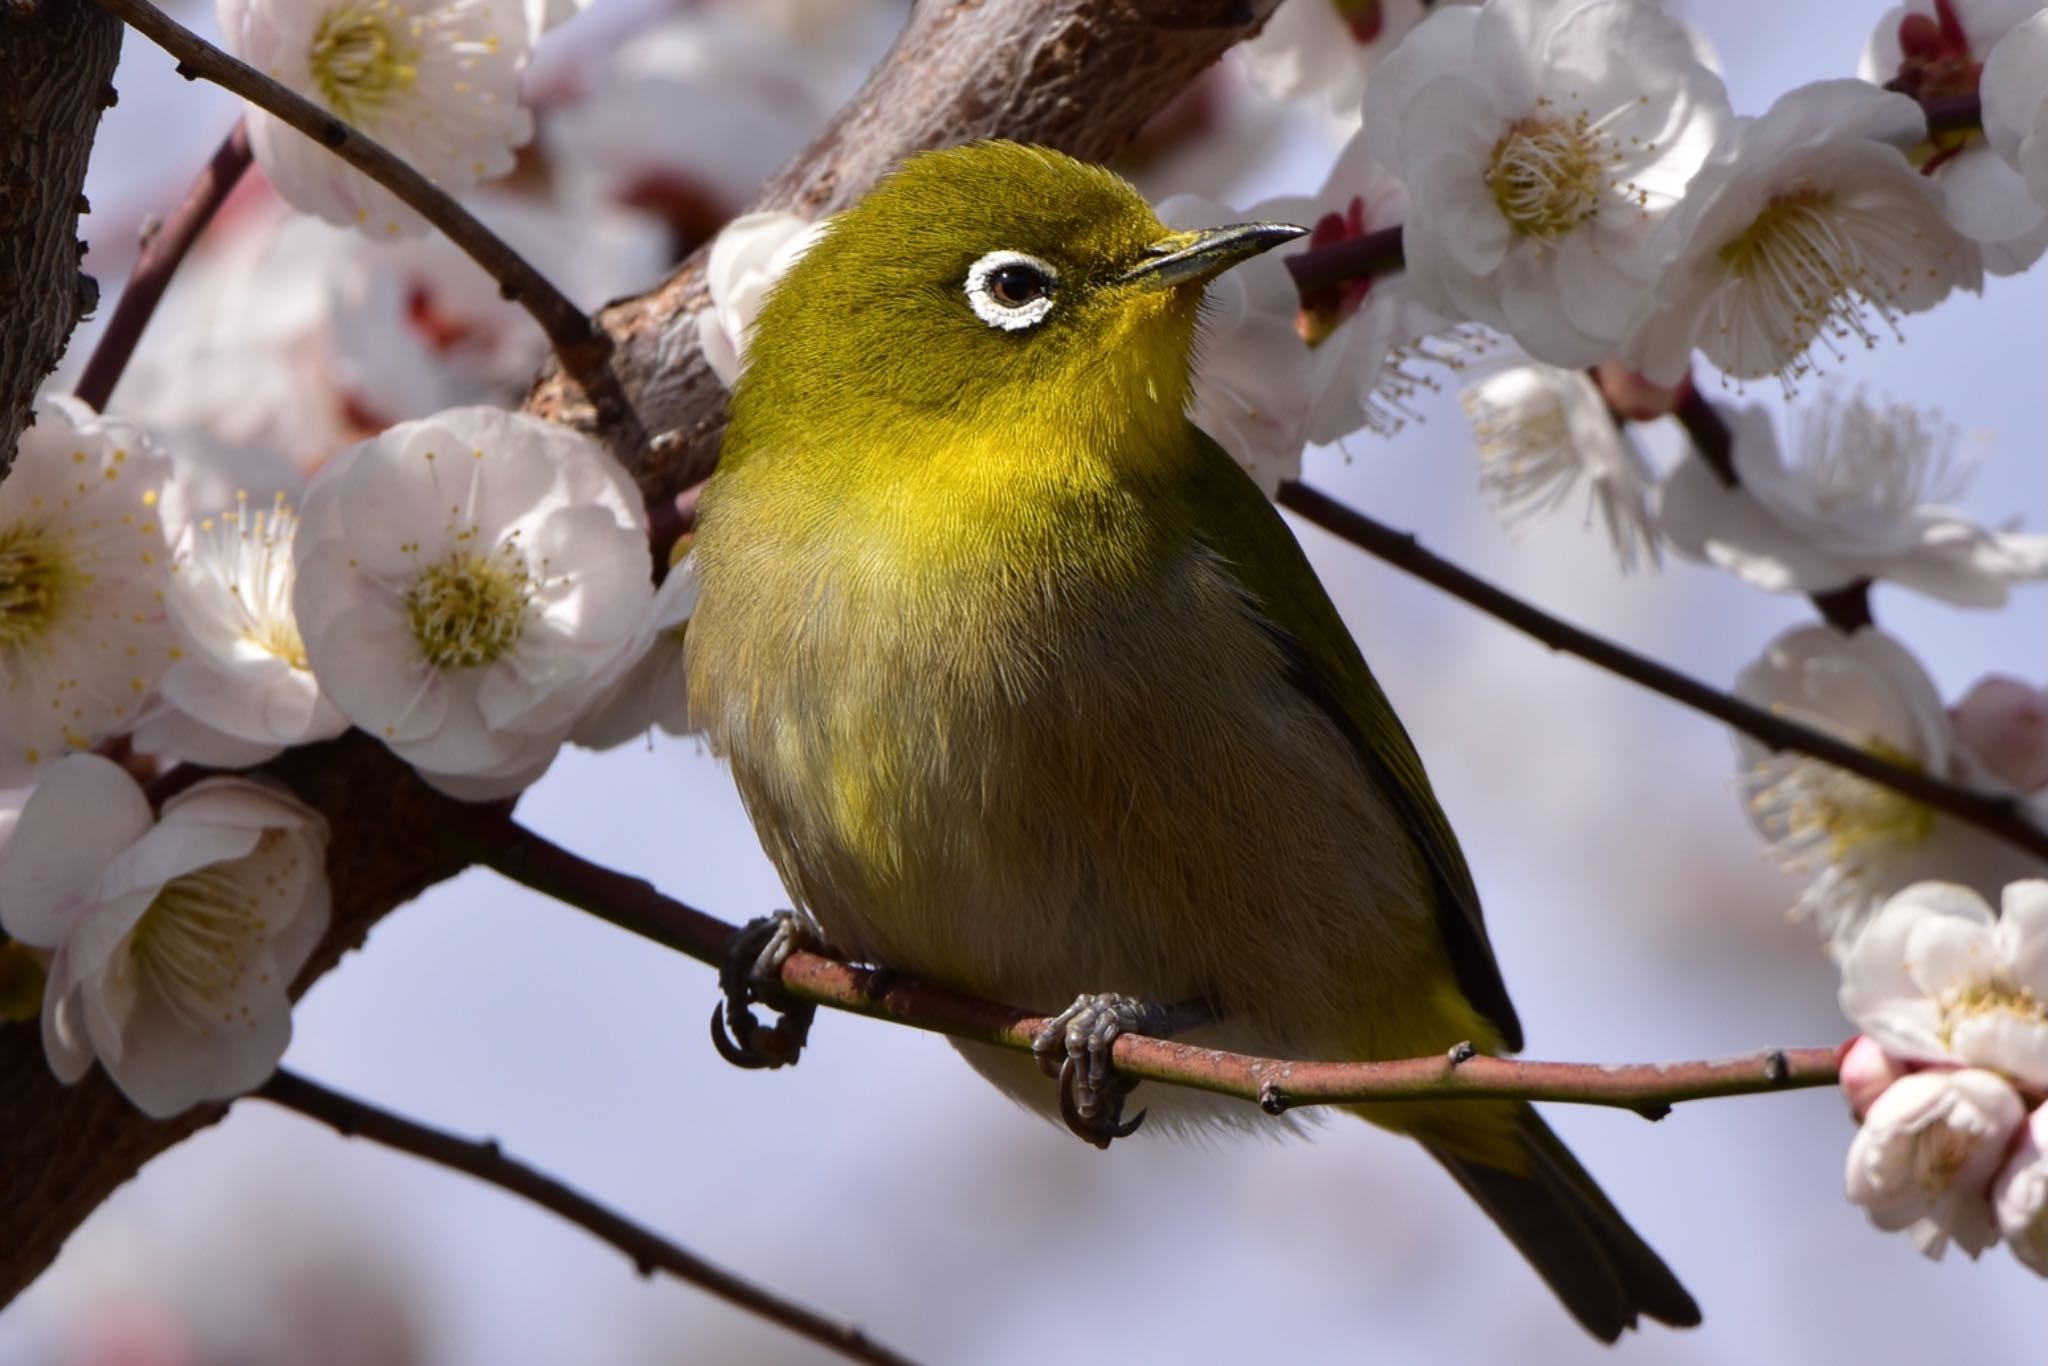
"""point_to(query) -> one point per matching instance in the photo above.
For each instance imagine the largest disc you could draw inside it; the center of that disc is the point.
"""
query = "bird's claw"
(752, 975)
(1074, 1048)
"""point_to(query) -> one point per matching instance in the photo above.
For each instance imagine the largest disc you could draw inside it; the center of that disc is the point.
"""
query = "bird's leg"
(752, 974)
(1074, 1048)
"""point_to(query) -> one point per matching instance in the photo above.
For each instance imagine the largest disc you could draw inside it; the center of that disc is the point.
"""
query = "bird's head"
(992, 283)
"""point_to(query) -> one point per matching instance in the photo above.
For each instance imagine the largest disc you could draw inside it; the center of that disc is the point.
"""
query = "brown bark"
(1080, 75)
(56, 71)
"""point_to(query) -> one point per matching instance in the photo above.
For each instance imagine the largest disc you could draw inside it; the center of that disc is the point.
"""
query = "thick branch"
(649, 1251)
(57, 61)
(1077, 74)
(1999, 816)
(583, 349)
(1274, 1083)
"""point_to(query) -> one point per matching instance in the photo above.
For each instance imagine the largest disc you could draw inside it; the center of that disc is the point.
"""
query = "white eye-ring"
(1010, 290)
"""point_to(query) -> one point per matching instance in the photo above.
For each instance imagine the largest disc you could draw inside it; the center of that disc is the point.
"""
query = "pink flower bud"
(1632, 396)
(2004, 724)
(1866, 1070)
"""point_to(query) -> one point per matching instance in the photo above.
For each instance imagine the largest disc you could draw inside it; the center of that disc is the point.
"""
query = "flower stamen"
(470, 609)
(1547, 176)
(36, 580)
(361, 59)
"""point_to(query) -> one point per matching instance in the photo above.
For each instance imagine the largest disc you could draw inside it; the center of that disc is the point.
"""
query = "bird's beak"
(1204, 253)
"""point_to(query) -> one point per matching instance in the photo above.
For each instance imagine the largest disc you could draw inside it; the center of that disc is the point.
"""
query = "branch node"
(1461, 1053)
(1776, 1067)
(1270, 1098)
(1653, 1111)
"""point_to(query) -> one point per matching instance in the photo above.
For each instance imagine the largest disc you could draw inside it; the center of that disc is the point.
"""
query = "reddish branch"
(162, 253)
(1274, 1083)
(649, 1251)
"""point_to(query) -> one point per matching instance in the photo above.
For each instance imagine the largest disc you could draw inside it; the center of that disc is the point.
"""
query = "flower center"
(251, 552)
(1995, 997)
(191, 946)
(1891, 459)
(1548, 177)
(361, 57)
(36, 579)
(469, 609)
(1831, 816)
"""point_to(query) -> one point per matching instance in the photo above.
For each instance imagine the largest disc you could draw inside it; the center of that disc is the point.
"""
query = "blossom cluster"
(1949, 1077)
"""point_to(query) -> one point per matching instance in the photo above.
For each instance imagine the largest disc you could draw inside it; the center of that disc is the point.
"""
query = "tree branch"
(583, 349)
(162, 253)
(1276, 1084)
(1996, 815)
(57, 61)
(649, 1251)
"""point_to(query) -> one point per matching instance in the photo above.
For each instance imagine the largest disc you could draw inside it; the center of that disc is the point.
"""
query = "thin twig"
(353, 1118)
(1999, 816)
(162, 252)
(585, 349)
(1359, 258)
(1277, 1084)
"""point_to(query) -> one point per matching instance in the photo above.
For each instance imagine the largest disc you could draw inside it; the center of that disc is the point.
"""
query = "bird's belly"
(1129, 799)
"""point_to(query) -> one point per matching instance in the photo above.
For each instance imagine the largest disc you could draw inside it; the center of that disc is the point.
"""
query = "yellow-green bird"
(1030, 692)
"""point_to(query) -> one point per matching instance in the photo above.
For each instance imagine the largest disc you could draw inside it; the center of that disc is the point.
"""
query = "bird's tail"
(1571, 1233)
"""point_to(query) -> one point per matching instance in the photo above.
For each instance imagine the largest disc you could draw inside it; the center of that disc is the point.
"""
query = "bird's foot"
(1074, 1048)
(752, 975)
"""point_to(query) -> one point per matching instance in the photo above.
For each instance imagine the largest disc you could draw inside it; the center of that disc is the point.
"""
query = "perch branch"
(1276, 1084)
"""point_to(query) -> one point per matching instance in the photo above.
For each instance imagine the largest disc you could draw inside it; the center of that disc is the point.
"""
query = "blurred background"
(1632, 909)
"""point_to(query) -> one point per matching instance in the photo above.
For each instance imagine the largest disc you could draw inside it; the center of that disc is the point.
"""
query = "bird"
(1030, 692)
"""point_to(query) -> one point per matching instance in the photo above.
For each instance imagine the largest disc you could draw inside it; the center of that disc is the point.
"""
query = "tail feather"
(1573, 1235)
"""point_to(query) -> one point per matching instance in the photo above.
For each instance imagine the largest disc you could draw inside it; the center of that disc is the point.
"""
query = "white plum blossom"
(749, 256)
(240, 690)
(2015, 103)
(1543, 141)
(434, 81)
(1861, 841)
(1277, 370)
(2019, 1195)
(1541, 431)
(1806, 227)
(175, 936)
(653, 689)
(83, 559)
(1927, 1152)
(465, 582)
(1329, 47)
(1936, 49)
(1864, 497)
(1938, 978)
(2003, 723)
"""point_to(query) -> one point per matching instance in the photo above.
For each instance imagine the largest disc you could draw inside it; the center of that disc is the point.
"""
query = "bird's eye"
(1010, 290)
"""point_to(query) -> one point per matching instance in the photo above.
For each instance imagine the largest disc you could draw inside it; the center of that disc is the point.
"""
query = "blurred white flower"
(653, 689)
(1543, 141)
(1865, 1072)
(1865, 498)
(1276, 371)
(2019, 1195)
(1541, 430)
(2003, 723)
(287, 339)
(2015, 103)
(434, 81)
(1801, 225)
(749, 256)
(1924, 1158)
(83, 559)
(464, 581)
(1938, 978)
(1329, 47)
(240, 690)
(1862, 841)
(1936, 49)
(176, 936)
